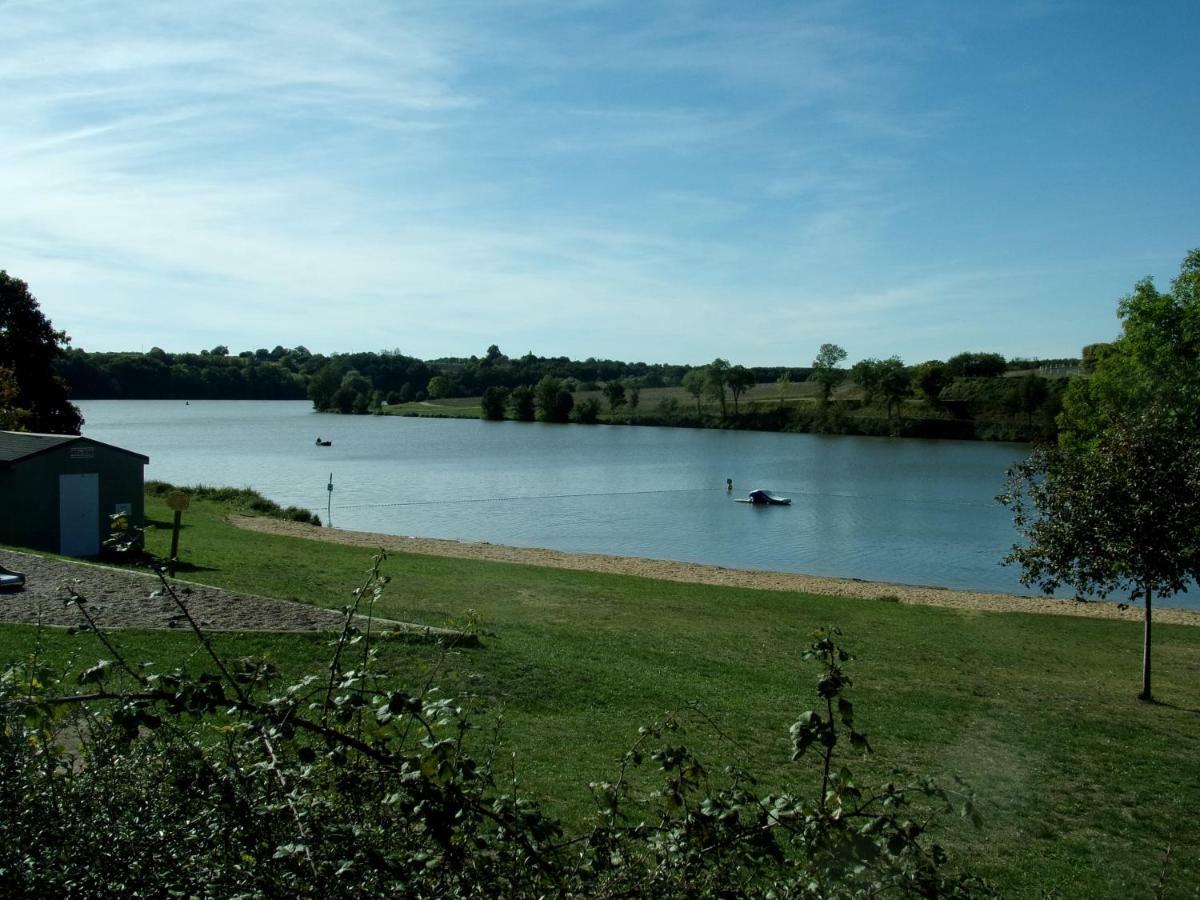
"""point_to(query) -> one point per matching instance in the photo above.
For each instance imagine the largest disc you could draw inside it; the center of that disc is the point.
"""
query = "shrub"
(223, 783)
(239, 498)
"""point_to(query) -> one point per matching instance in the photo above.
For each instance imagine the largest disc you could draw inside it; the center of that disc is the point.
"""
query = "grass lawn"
(1082, 787)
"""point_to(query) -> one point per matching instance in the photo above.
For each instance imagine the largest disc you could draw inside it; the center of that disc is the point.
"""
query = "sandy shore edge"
(696, 573)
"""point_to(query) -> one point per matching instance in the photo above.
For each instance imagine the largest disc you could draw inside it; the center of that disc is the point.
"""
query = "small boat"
(321, 443)
(11, 579)
(759, 497)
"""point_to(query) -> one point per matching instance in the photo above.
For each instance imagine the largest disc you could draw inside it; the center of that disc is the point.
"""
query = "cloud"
(594, 178)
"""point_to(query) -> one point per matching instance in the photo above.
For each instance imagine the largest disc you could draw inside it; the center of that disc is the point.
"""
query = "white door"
(79, 514)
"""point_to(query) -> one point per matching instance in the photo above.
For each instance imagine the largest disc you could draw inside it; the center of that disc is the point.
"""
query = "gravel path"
(717, 575)
(127, 598)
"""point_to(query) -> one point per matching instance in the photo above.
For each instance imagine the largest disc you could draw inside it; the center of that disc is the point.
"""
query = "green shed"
(58, 490)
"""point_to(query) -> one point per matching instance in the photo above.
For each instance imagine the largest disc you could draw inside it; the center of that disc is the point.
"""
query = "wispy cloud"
(589, 177)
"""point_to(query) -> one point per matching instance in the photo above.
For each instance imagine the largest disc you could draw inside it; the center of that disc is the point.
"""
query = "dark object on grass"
(10, 579)
(760, 497)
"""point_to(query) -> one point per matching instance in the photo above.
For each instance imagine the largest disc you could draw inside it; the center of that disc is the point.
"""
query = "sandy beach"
(696, 573)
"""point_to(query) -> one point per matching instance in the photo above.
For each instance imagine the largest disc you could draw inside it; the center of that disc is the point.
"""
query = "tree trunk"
(1145, 694)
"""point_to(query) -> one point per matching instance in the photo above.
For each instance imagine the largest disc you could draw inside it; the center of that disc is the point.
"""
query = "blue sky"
(667, 181)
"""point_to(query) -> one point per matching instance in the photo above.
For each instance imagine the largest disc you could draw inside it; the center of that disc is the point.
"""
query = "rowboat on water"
(759, 497)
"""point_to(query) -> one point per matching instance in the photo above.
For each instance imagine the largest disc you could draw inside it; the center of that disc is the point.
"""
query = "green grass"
(1083, 788)
(449, 408)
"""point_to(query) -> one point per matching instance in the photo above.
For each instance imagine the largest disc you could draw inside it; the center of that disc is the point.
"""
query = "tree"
(438, 387)
(694, 383)
(29, 348)
(587, 411)
(1116, 503)
(521, 403)
(219, 350)
(12, 416)
(785, 386)
(354, 393)
(716, 378)
(866, 373)
(895, 382)
(740, 380)
(826, 372)
(1119, 513)
(552, 400)
(493, 403)
(1155, 361)
(635, 395)
(977, 365)
(615, 392)
(1032, 392)
(324, 384)
(931, 379)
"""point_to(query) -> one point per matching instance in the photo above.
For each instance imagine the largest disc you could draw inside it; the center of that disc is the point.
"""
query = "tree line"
(41, 371)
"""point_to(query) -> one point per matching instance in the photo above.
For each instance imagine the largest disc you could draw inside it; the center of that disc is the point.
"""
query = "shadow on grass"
(1186, 709)
(166, 524)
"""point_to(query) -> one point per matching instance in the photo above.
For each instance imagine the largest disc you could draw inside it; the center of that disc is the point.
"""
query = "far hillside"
(969, 396)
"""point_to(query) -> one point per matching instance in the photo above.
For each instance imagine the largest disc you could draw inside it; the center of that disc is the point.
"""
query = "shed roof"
(18, 445)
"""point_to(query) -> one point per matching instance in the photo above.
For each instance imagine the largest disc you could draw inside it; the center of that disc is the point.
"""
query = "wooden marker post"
(178, 501)
(329, 502)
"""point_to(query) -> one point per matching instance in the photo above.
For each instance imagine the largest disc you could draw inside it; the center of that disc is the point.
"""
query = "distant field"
(1084, 789)
(761, 394)
(449, 408)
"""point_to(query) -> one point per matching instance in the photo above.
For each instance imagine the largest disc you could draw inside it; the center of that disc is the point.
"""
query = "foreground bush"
(225, 784)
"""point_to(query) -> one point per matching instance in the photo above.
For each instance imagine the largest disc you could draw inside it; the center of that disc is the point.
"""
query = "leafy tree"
(895, 383)
(635, 396)
(12, 416)
(826, 372)
(695, 382)
(552, 400)
(494, 354)
(521, 403)
(493, 403)
(1155, 361)
(931, 378)
(785, 386)
(587, 411)
(716, 380)
(867, 374)
(1119, 513)
(977, 365)
(438, 387)
(219, 350)
(740, 380)
(615, 392)
(324, 384)
(1092, 354)
(29, 349)
(353, 394)
(1032, 392)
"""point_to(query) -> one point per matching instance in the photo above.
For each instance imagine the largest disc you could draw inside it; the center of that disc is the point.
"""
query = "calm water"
(907, 511)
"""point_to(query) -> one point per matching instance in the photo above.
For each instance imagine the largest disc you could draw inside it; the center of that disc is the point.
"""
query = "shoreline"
(700, 573)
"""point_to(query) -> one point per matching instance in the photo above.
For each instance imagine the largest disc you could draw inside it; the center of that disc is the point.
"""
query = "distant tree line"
(278, 374)
(536, 388)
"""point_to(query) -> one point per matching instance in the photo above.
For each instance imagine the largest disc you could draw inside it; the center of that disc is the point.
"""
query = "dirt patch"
(126, 598)
(716, 575)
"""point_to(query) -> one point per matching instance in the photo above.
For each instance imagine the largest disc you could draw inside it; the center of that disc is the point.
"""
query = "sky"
(656, 181)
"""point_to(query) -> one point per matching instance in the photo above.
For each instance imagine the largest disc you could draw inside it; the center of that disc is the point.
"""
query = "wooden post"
(329, 503)
(178, 501)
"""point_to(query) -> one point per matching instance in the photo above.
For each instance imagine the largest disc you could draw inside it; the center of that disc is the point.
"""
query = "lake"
(905, 511)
